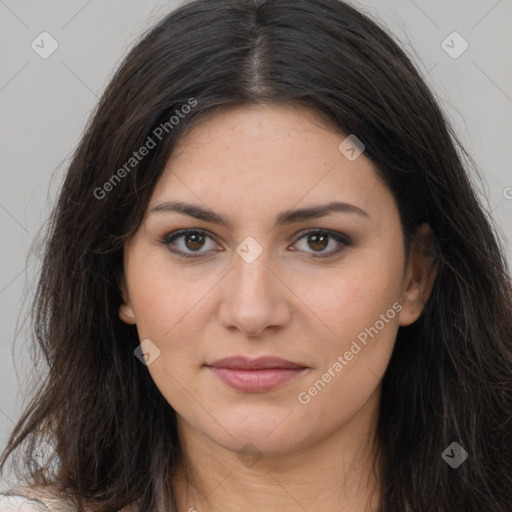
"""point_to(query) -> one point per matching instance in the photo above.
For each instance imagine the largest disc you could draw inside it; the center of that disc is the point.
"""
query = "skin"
(248, 164)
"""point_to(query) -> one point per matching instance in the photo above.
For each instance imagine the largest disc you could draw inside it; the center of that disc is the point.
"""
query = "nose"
(254, 299)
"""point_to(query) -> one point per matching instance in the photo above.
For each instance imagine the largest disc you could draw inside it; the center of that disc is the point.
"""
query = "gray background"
(45, 102)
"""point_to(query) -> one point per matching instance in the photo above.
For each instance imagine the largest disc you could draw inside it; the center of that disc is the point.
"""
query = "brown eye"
(188, 243)
(316, 242)
(194, 241)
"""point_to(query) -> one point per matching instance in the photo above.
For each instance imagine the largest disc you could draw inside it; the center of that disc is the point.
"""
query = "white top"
(25, 498)
(29, 499)
(21, 504)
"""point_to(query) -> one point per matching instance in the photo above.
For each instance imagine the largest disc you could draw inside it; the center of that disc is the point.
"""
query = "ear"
(420, 274)
(126, 312)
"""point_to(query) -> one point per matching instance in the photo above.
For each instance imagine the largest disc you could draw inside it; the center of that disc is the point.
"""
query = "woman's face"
(262, 285)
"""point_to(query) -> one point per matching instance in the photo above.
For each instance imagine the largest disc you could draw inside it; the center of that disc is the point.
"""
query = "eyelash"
(339, 237)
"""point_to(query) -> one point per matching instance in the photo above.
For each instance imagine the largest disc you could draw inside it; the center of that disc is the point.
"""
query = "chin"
(273, 433)
(256, 443)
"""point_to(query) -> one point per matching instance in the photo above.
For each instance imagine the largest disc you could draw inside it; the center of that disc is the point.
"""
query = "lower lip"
(256, 381)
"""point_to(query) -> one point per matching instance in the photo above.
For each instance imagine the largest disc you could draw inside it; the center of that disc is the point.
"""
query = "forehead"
(267, 155)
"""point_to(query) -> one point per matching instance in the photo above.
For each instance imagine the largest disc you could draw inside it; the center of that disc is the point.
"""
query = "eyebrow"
(283, 218)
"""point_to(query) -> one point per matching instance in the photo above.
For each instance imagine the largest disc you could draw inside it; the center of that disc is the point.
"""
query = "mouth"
(255, 375)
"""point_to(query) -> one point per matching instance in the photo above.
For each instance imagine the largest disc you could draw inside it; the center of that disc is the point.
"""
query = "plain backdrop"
(45, 103)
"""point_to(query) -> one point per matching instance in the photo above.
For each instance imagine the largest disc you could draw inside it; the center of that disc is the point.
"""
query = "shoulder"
(33, 499)
(25, 498)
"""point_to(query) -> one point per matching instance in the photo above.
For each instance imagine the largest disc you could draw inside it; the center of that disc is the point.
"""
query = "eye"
(320, 239)
(188, 243)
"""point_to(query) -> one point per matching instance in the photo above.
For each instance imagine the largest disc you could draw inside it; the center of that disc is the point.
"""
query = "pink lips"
(255, 375)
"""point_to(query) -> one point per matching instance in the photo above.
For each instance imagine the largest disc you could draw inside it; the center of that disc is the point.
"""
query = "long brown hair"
(450, 375)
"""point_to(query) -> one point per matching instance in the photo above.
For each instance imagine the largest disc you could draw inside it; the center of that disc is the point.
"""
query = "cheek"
(173, 309)
(352, 300)
(163, 299)
(359, 310)
(353, 361)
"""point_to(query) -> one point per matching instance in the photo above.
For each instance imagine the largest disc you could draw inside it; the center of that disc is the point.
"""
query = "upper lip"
(246, 363)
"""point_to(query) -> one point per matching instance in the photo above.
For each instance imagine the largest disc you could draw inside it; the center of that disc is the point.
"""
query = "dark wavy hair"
(450, 374)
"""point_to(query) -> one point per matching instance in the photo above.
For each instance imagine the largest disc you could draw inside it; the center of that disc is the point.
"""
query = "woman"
(268, 279)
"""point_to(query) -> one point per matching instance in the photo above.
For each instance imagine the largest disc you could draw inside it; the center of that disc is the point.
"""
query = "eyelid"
(341, 238)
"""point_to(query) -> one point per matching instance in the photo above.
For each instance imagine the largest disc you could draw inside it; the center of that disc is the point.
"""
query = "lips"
(255, 375)
(261, 363)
